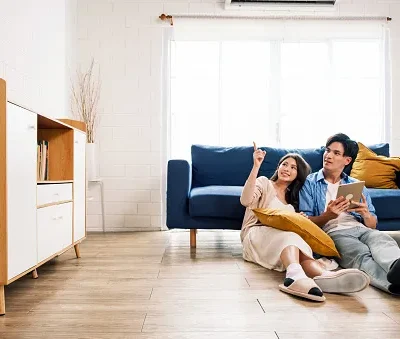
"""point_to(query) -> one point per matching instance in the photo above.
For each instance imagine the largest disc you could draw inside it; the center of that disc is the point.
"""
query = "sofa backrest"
(230, 166)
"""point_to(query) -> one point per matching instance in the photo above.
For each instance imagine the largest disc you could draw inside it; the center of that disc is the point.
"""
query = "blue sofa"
(205, 194)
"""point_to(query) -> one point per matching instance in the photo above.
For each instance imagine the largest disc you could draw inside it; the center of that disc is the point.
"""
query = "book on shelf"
(42, 160)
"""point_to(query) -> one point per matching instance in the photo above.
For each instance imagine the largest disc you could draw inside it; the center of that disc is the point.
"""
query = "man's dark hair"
(350, 146)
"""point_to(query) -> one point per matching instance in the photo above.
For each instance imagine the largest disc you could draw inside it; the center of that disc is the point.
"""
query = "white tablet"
(352, 191)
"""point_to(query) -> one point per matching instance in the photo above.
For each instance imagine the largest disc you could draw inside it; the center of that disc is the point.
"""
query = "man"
(353, 230)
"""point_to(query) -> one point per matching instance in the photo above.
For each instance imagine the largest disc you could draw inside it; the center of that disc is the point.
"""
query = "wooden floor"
(151, 285)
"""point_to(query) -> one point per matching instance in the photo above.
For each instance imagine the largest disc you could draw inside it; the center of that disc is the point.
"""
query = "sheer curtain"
(280, 83)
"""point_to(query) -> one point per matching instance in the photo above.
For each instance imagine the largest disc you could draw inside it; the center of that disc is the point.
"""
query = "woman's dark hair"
(350, 146)
(303, 170)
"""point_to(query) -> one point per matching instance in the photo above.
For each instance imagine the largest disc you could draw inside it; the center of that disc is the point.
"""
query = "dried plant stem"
(85, 98)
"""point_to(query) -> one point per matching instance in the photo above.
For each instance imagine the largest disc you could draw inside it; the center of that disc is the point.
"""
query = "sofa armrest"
(179, 183)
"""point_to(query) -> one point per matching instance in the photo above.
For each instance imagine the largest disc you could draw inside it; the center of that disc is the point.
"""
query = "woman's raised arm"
(252, 192)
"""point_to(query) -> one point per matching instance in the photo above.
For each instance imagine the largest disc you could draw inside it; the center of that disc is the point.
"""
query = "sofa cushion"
(388, 225)
(379, 149)
(226, 166)
(376, 170)
(386, 203)
(230, 166)
(320, 242)
(216, 201)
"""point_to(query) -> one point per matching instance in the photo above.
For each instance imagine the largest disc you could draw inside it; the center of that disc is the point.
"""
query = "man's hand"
(361, 208)
(335, 207)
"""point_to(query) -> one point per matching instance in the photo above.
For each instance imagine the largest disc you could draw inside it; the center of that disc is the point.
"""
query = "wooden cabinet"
(79, 186)
(21, 153)
(41, 216)
(54, 230)
(49, 194)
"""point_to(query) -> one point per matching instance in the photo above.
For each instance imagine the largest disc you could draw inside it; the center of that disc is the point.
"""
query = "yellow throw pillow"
(377, 171)
(316, 238)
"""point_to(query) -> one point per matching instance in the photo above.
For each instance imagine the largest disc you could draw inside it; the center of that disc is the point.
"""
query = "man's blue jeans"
(368, 250)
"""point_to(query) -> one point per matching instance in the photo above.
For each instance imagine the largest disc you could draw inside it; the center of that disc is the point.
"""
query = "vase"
(91, 162)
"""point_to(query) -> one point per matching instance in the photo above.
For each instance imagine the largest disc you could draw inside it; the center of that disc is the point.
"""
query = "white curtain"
(293, 30)
(280, 83)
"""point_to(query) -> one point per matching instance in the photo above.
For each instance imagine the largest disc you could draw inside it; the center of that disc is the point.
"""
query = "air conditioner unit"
(264, 4)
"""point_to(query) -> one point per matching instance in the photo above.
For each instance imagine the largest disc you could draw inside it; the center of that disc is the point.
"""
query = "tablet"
(352, 191)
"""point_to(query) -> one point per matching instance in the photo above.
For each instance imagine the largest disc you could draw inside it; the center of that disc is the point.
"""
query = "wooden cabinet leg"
(2, 301)
(77, 251)
(193, 238)
(34, 274)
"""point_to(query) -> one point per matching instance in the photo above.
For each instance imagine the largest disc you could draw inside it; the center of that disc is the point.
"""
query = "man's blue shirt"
(312, 198)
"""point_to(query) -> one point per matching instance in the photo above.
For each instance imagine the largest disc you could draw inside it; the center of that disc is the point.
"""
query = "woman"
(279, 250)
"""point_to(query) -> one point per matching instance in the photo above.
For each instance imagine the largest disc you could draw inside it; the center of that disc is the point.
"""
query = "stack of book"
(42, 160)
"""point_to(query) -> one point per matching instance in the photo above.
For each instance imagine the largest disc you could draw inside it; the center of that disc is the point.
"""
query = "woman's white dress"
(263, 244)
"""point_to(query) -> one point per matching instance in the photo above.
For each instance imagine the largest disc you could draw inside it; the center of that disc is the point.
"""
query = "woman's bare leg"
(310, 266)
(296, 277)
(290, 255)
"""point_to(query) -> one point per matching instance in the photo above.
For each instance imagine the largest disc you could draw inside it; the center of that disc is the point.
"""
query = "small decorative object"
(85, 98)
(165, 17)
(91, 162)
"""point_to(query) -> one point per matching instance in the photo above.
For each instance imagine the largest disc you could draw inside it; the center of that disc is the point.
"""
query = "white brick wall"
(125, 37)
(33, 44)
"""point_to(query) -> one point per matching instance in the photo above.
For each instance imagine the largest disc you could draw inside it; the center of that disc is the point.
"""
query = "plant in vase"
(85, 95)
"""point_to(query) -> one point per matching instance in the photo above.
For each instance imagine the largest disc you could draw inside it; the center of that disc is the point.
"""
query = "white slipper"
(343, 281)
(301, 288)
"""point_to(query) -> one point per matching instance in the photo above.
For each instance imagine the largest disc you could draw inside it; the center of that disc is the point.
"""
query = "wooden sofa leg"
(193, 238)
(2, 301)
(35, 274)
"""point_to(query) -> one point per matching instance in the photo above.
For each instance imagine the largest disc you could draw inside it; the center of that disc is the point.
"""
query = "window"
(328, 87)
(276, 92)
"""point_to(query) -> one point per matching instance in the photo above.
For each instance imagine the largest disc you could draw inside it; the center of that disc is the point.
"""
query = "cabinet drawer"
(53, 193)
(54, 227)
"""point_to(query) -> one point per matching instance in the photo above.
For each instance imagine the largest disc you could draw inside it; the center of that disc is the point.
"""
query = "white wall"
(71, 41)
(125, 37)
(33, 54)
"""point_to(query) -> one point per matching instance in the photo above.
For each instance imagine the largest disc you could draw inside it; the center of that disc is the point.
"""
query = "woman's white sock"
(295, 271)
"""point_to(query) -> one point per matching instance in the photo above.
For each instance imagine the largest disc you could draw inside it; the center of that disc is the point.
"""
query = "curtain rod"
(165, 17)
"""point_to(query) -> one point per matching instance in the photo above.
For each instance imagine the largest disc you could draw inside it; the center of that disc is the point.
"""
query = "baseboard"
(125, 229)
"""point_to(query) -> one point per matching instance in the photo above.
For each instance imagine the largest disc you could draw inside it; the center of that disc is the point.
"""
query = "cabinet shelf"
(61, 143)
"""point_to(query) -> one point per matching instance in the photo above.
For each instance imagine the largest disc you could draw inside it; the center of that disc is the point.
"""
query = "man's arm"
(373, 220)
(306, 201)
(370, 221)
(320, 220)
(334, 208)
(306, 205)
(366, 210)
